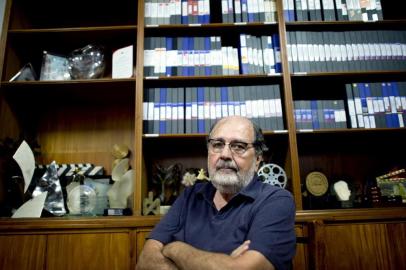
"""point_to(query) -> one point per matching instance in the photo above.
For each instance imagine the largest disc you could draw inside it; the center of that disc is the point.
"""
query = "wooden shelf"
(75, 223)
(353, 214)
(92, 91)
(80, 120)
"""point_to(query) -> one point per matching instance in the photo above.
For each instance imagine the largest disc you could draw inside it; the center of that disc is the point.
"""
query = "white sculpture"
(342, 190)
(121, 190)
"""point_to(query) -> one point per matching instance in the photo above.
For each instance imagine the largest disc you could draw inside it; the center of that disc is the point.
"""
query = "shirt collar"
(252, 189)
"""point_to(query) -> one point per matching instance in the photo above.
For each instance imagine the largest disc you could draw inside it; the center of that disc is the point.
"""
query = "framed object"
(123, 63)
(26, 73)
(54, 67)
(316, 183)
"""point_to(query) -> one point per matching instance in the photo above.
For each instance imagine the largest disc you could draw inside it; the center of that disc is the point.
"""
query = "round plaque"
(316, 183)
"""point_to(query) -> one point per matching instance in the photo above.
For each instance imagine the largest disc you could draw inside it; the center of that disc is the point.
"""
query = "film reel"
(273, 174)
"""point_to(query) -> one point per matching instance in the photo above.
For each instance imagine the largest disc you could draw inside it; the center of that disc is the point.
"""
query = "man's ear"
(258, 162)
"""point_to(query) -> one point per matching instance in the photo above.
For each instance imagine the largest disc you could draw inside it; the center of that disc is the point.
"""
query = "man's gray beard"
(232, 183)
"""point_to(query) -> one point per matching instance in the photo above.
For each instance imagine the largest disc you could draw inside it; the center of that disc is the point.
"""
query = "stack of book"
(260, 55)
(332, 10)
(160, 12)
(205, 56)
(377, 105)
(246, 11)
(379, 50)
(188, 56)
(319, 114)
(195, 109)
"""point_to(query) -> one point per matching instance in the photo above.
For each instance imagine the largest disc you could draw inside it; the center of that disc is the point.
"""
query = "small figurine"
(189, 179)
(202, 175)
(342, 190)
(123, 177)
(150, 205)
(343, 193)
(167, 179)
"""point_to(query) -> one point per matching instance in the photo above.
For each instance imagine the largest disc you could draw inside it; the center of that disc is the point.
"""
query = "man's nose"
(226, 152)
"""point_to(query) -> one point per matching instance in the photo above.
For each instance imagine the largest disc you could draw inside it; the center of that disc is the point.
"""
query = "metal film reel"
(273, 174)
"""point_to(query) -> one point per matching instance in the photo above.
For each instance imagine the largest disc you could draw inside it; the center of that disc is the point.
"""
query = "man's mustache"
(222, 164)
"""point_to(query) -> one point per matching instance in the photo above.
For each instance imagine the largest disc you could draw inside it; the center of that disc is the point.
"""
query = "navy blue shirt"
(260, 212)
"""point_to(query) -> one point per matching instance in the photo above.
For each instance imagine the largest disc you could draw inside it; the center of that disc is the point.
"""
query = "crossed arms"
(182, 256)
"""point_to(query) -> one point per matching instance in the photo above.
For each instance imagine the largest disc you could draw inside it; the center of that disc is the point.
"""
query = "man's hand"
(241, 249)
(186, 257)
(151, 257)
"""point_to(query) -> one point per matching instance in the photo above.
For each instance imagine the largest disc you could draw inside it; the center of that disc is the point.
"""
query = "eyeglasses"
(236, 147)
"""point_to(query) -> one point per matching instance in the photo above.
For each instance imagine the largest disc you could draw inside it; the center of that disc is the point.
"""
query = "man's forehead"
(234, 128)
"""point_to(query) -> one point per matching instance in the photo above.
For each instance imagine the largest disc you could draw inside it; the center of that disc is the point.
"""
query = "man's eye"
(217, 144)
(238, 146)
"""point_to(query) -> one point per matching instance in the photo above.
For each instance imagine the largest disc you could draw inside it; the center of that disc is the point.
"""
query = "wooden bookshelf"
(78, 121)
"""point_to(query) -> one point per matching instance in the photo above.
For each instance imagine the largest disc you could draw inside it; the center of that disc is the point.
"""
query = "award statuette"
(81, 198)
(316, 183)
(317, 189)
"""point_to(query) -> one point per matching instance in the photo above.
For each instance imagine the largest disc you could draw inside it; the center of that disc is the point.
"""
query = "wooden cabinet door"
(22, 252)
(141, 235)
(360, 246)
(300, 259)
(89, 251)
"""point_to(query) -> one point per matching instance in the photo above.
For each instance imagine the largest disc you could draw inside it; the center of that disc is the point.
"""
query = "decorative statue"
(168, 179)
(342, 190)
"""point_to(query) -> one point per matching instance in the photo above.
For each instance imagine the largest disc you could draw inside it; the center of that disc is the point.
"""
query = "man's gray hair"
(259, 142)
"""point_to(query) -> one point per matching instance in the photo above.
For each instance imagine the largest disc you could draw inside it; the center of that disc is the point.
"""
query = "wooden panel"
(360, 246)
(22, 252)
(397, 240)
(86, 134)
(299, 261)
(141, 235)
(88, 251)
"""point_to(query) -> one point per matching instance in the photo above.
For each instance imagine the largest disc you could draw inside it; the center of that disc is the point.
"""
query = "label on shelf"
(273, 74)
(151, 135)
(300, 73)
(117, 212)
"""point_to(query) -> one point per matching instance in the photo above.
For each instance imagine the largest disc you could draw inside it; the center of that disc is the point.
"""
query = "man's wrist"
(171, 249)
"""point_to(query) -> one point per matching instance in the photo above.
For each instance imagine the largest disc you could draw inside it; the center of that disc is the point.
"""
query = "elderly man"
(232, 222)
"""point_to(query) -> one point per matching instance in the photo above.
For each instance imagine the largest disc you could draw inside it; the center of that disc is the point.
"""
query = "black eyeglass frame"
(230, 146)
